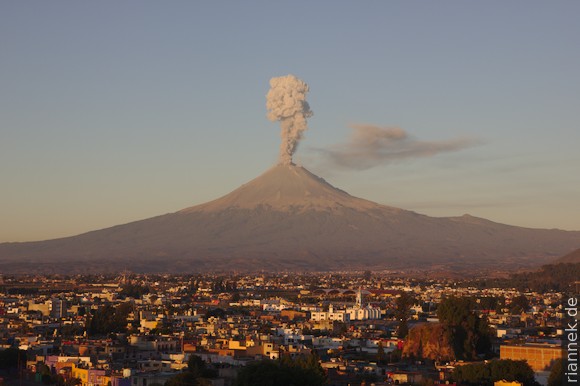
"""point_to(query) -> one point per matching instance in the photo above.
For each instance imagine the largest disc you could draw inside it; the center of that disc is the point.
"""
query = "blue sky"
(112, 112)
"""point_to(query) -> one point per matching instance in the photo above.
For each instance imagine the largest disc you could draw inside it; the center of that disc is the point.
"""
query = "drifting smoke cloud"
(371, 146)
(286, 102)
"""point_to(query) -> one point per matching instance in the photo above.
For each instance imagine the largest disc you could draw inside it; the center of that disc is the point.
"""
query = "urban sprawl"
(350, 328)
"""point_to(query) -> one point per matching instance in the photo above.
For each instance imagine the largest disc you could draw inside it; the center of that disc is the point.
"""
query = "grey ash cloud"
(371, 145)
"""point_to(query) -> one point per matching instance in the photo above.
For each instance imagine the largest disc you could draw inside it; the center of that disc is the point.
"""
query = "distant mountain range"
(290, 219)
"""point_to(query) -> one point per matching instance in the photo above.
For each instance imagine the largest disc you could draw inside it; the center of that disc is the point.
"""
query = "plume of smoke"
(371, 146)
(286, 102)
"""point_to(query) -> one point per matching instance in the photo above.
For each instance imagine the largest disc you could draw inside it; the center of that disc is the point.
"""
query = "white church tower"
(359, 299)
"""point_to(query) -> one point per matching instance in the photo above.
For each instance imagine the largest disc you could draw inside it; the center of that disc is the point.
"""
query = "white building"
(358, 312)
(340, 315)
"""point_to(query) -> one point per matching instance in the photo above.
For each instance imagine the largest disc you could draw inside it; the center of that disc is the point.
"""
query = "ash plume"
(371, 145)
(286, 102)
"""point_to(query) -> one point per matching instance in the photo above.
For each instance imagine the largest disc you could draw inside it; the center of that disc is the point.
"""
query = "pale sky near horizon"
(112, 112)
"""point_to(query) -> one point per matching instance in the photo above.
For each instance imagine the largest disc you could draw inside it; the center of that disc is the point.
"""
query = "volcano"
(572, 257)
(290, 219)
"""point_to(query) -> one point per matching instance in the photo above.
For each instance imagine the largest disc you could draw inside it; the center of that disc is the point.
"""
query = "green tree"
(109, 319)
(46, 379)
(453, 311)
(197, 367)
(469, 334)
(490, 303)
(402, 329)
(73, 382)
(11, 357)
(486, 374)
(395, 355)
(285, 372)
(216, 313)
(182, 379)
(45, 374)
(312, 363)
(381, 355)
(196, 374)
(519, 304)
(403, 306)
(135, 291)
(556, 377)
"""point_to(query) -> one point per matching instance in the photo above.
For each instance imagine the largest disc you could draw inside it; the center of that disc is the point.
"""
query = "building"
(58, 308)
(540, 357)
(331, 314)
(360, 312)
(503, 382)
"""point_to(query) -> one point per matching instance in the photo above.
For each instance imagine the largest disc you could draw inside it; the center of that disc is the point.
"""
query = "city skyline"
(114, 113)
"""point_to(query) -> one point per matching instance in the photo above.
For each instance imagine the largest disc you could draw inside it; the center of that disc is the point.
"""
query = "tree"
(197, 367)
(109, 319)
(519, 304)
(135, 291)
(469, 334)
(216, 313)
(395, 355)
(182, 379)
(196, 374)
(556, 377)
(339, 328)
(312, 363)
(381, 355)
(11, 357)
(402, 313)
(284, 372)
(73, 382)
(490, 303)
(45, 373)
(71, 330)
(402, 329)
(429, 341)
(453, 310)
(487, 373)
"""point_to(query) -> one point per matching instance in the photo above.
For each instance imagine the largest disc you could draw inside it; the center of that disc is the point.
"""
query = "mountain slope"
(288, 218)
(572, 257)
(286, 187)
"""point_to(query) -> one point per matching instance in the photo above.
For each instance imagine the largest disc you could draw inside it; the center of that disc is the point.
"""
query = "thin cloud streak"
(371, 146)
